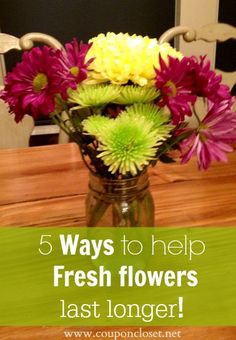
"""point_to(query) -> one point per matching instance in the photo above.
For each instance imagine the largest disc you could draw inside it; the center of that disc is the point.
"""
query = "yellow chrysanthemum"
(120, 58)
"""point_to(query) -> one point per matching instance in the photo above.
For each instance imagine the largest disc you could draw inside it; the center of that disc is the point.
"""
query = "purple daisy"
(175, 83)
(212, 139)
(30, 88)
(207, 83)
(71, 67)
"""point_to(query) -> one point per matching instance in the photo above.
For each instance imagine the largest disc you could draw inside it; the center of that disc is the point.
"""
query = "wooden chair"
(14, 135)
(217, 32)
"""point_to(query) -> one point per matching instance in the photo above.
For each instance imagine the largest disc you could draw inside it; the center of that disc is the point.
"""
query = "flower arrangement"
(126, 101)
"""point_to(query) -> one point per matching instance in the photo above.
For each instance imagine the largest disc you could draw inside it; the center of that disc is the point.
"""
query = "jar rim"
(122, 180)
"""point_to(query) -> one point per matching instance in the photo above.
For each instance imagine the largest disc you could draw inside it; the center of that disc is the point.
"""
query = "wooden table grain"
(47, 186)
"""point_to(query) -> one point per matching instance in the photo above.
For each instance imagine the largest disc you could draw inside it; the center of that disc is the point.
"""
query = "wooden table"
(46, 186)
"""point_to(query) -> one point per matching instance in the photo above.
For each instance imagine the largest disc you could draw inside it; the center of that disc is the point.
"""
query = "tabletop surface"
(47, 186)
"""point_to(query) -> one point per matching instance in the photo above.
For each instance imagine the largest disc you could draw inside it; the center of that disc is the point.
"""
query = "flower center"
(171, 88)
(202, 126)
(74, 71)
(40, 81)
(203, 137)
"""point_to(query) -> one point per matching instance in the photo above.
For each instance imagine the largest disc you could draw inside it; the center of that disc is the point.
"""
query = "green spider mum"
(153, 114)
(130, 141)
(93, 95)
(95, 125)
(128, 144)
(130, 94)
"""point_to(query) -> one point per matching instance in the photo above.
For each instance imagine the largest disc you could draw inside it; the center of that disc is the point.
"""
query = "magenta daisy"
(71, 68)
(206, 82)
(211, 140)
(30, 88)
(174, 81)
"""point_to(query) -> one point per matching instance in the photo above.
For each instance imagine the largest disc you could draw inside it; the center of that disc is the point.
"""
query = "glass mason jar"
(119, 203)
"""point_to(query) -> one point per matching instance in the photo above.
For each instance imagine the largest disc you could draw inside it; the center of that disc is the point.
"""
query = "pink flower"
(206, 82)
(175, 83)
(212, 139)
(71, 67)
(30, 88)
